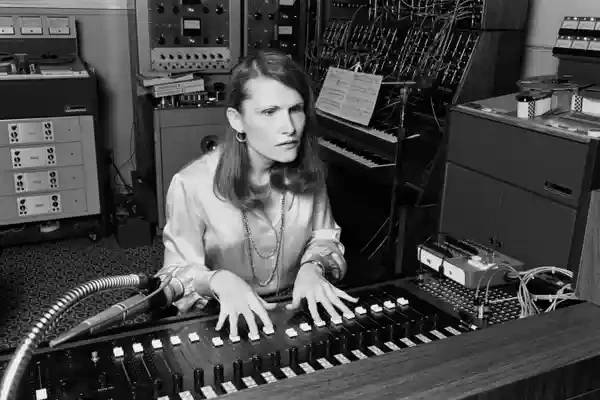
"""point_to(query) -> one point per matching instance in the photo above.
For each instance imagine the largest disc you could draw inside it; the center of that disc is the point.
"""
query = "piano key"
(369, 163)
(368, 131)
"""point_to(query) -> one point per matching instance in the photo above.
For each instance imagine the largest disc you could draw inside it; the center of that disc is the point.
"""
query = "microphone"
(162, 294)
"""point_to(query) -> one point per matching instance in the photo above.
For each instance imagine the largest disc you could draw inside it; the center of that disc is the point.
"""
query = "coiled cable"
(18, 364)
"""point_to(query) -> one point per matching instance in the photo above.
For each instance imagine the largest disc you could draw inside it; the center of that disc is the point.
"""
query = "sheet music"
(349, 95)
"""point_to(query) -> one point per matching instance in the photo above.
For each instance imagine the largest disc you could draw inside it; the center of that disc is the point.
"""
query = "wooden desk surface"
(551, 356)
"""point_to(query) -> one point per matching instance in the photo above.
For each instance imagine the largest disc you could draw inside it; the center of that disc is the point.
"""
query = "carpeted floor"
(33, 277)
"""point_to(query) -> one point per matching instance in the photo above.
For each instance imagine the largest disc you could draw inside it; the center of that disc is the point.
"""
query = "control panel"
(191, 360)
(276, 24)
(47, 169)
(188, 35)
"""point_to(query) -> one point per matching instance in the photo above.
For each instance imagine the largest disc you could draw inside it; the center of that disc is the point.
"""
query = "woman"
(252, 218)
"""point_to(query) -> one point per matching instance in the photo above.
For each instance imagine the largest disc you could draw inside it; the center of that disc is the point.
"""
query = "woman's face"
(273, 119)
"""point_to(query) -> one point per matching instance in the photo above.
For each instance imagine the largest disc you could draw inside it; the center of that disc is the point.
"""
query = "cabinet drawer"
(54, 155)
(40, 130)
(550, 166)
(25, 182)
(53, 205)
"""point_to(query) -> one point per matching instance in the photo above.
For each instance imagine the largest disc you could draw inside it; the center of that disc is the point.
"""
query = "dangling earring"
(240, 137)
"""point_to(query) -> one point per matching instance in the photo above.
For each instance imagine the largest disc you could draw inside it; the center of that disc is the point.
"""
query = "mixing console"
(190, 360)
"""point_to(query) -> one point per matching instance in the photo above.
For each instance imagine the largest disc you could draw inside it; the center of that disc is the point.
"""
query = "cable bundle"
(526, 299)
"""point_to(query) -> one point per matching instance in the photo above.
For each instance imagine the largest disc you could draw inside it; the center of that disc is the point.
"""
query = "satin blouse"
(204, 233)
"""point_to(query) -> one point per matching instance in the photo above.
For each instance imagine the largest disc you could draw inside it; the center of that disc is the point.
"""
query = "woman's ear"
(235, 119)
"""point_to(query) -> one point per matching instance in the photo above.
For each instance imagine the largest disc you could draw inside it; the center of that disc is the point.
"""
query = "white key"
(254, 337)
(389, 305)
(408, 342)
(235, 339)
(376, 308)
(268, 377)
(453, 331)
(118, 352)
(287, 371)
(342, 358)
(423, 338)
(324, 363)
(208, 392)
(376, 350)
(349, 315)
(217, 341)
(41, 394)
(163, 398)
(360, 310)
(175, 340)
(229, 387)
(306, 367)
(186, 395)
(320, 323)
(249, 382)
(359, 354)
(392, 346)
(336, 320)
(291, 332)
(438, 334)
(402, 301)
(138, 348)
(268, 331)
(194, 337)
(305, 327)
(156, 344)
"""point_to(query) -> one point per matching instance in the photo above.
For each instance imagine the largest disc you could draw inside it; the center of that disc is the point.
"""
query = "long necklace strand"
(252, 248)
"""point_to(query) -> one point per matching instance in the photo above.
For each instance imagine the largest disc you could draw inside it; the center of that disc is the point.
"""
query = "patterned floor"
(32, 277)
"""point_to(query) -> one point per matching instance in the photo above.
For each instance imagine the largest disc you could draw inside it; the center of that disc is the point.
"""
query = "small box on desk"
(133, 232)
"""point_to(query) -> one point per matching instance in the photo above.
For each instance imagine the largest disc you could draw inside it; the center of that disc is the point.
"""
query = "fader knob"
(256, 363)
(218, 374)
(238, 371)
(198, 379)
(293, 354)
(177, 382)
(343, 344)
(257, 15)
(275, 359)
(360, 340)
(310, 353)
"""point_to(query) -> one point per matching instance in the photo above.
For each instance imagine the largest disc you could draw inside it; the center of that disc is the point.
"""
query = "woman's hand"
(312, 285)
(237, 298)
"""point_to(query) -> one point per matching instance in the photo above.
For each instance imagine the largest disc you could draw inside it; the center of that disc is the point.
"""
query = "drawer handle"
(75, 109)
(558, 189)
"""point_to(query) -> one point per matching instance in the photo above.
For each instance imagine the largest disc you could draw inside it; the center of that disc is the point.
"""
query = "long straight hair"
(305, 174)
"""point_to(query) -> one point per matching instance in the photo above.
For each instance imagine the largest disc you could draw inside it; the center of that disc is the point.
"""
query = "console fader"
(190, 360)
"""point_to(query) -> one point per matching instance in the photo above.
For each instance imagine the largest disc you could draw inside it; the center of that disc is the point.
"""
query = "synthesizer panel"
(277, 24)
(190, 360)
(176, 36)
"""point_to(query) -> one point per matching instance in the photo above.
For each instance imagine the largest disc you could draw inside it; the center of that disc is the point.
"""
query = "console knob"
(256, 363)
(343, 344)
(360, 340)
(275, 359)
(257, 15)
(218, 374)
(310, 353)
(198, 379)
(238, 371)
(293, 353)
(177, 382)
(327, 348)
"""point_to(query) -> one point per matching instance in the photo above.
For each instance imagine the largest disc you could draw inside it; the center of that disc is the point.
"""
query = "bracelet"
(316, 263)
(210, 287)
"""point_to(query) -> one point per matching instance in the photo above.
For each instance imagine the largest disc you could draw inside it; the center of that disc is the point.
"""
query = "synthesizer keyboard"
(190, 360)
